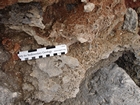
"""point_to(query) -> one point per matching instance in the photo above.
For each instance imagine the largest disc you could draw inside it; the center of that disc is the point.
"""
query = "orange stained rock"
(132, 3)
(7, 43)
(14, 57)
(4, 3)
(12, 47)
(16, 47)
(14, 51)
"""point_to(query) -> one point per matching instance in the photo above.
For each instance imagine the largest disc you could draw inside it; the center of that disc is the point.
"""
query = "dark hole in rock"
(130, 64)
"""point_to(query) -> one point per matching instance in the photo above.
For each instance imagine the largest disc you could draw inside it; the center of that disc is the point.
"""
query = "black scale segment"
(50, 47)
(62, 53)
(32, 50)
(26, 58)
(47, 55)
(40, 56)
(55, 54)
(33, 58)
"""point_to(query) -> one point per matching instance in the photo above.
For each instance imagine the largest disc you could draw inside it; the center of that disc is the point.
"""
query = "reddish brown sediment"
(132, 4)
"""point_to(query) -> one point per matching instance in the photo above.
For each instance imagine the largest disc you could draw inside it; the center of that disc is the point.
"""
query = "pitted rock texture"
(132, 3)
(76, 24)
(21, 15)
(8, 89)
(4, 56)
(113, 86)
(131, 65)
(85, 27)
(6, 96)
(131, 20)
(109, 85)
(4, 3)
(89, 36)
(57, 78)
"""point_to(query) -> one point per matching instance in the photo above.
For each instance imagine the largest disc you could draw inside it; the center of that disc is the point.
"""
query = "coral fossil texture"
(90, 37)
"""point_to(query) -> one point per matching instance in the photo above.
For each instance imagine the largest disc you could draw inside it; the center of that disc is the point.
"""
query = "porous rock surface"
(131, 20)
(3, 56)
(113, 86)
(5, 3)
(57, 77)
(7, 97)
(130, 63)
(90, 37)
(110, 85)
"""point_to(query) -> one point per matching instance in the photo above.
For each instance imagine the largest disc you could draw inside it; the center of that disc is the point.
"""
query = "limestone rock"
(3, 56)
(58, 78)
(25, 1)
(84, 27)
(8, 89)
(112, 85)
(30, 31)
(130, 63)
(108, 85)
(4, 3)
(6, 96)
(70, 61)
(84, 1)
(132, 3)
(27, 14)
(89, 7)
(138, 12)
(90, 37)
(48, 66)
(131, 20)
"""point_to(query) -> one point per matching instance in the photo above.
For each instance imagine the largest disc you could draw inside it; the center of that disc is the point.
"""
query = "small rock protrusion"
(131, 20)
(89, 7)
(84, 1)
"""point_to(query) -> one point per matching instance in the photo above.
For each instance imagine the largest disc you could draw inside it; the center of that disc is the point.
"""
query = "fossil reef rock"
(94, 31)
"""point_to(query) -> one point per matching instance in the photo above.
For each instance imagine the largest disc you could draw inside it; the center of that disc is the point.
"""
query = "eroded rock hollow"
(102, 63)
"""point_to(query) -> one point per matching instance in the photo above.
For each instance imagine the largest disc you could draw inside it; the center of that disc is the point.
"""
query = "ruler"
(42, 52)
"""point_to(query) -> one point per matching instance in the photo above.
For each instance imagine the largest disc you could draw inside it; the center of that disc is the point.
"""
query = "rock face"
(7, 97)
(111, 86)
(89, 7)
(3, 56)
(57, 78)
(131, 20)
(7, 94)
(4, 3)
(106, 27)
(132, 3)
(19, 16)
(130, 63)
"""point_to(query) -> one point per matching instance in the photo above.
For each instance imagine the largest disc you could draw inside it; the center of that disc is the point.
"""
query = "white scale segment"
(43, 52)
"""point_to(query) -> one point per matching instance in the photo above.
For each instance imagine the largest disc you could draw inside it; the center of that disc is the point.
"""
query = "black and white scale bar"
(43, 52)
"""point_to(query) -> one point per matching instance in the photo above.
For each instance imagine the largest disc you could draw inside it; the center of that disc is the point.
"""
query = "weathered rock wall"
(91, 30)
(108, 86)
